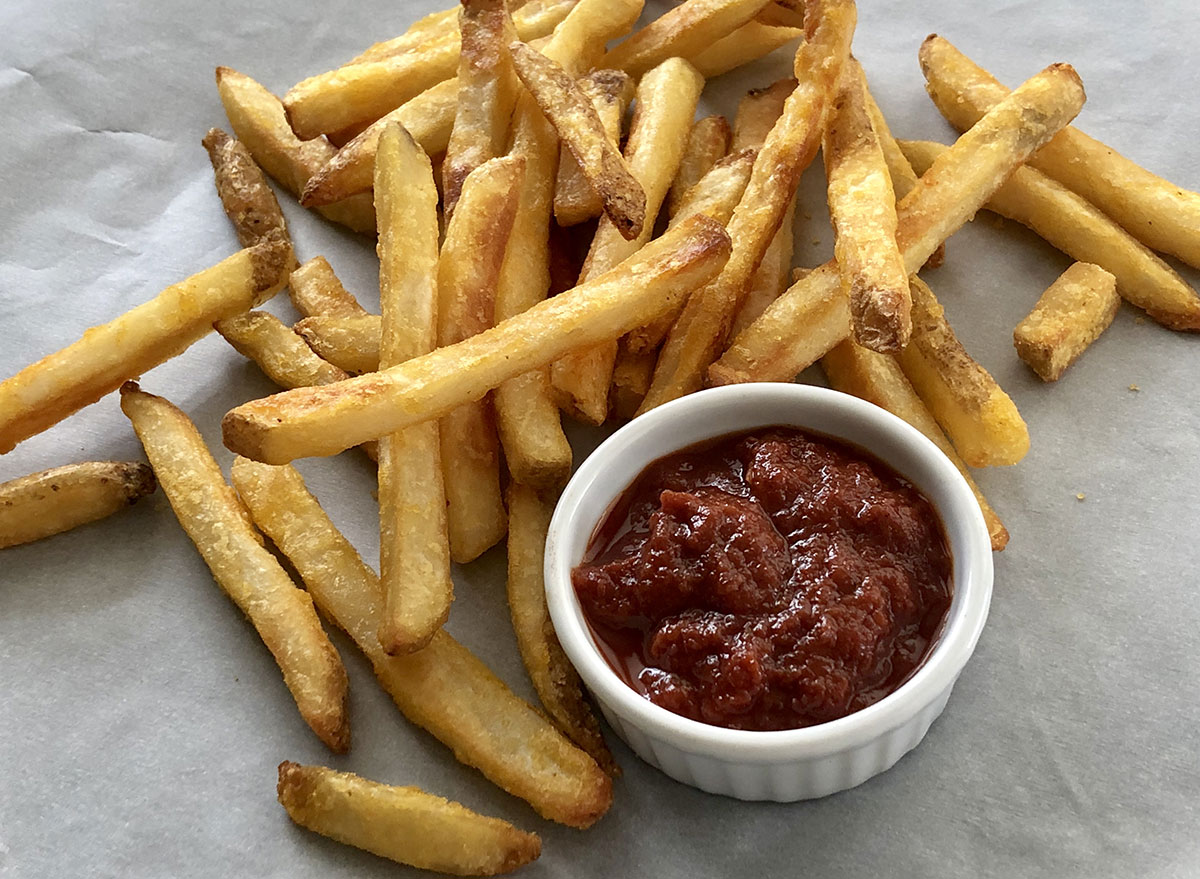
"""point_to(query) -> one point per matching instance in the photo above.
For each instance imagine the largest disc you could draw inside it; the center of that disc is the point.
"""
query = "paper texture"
(141, 720)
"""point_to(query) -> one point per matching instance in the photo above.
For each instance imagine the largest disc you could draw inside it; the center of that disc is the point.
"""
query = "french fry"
(44, 393)
(579, 128)
(52, 501)
(757, 113)
(1085, 233)
(707, 144)
(442, 688)
(631, 379)
(554, 678)
(685, 30)
(314, 289)
(487, 92)
(748, 43)
(979, 418)
(349, 343)
(258, 121)
(1155, 211)
(575, 199)
(1071, 314)
(359, 94)
(535, 447)
(219, 526)
(666, 102)
(782, 13)
(414, 549)
(862, 207)
(468, 270)
(322, 421)
(776, 346)
(716, 195)
(349, 171)
(245, 194)
(405, 824)
(878, 379)
(699, 334)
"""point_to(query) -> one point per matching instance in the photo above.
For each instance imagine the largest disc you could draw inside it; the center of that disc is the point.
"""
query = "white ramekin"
(781, 765)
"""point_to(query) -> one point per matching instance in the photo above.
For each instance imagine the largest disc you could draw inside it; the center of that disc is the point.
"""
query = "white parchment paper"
(141, 719)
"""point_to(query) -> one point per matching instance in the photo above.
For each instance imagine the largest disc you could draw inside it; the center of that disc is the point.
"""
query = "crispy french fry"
(1071, 314)
(578, 124)
(782, 13)
(321, 421)
(245, 194)
(757, 113)
(349, 171)
(217, 523)
(575, 199)
(46, 392)
(878, 378)
(904, 178)
(468, 270)
(862, 207)
(554, 678)
(405, 824)
(666, 102)
(314, 289)
(349, 343)
(979, 418)
(443, 688)
(535, 447)
(707, 144)
(1161, 215)
(631, 379)
(258, 121)
(487, 92)
(1084, 232)
(414, 549)
(776, 347)
(699, 334)
(716, 195)
(748, 43)
(52, 501)
(685, 30)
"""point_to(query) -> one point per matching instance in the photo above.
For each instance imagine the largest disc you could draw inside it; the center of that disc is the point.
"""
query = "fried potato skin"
(245, 194)
(575, 199)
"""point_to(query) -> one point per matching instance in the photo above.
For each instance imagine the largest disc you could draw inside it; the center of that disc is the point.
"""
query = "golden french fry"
(52, 501)
(487, 92)
(1084, 232)
(716, 195)
(535, 447)
(1071, 314)
(314, 289)
(666, 101)
(468, 271)
(1155, 211)
(44, 393)
(685, 30)
(414, 549)
(979, 418)
(862, 207)
(775, 347)
(322, 421)
(782, 13)
(217, 523)
(554, 678)
(245, 194)
(757, 113)
(443, 688)
(707, 144)
(575, 119)
(349, 343)
(699, 334)
(631, 379)
(405, 824)
(748, 43)
(575, 199)
(258, 121)
(878, 378)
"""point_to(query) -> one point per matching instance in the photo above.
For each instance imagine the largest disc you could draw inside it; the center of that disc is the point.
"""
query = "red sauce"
(767, 580)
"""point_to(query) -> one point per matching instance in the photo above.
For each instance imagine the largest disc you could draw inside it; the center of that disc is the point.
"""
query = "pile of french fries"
(488, 150)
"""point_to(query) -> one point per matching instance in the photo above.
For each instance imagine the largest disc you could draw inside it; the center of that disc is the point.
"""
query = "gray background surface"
(141, 719)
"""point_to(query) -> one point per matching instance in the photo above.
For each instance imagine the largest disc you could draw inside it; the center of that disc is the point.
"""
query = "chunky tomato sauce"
(767, 580)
